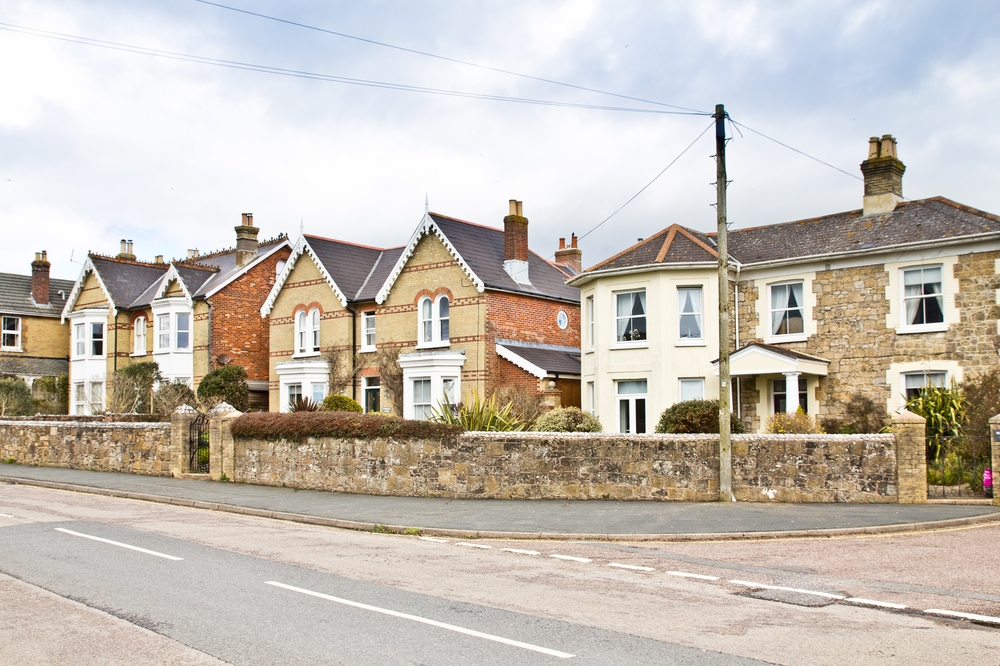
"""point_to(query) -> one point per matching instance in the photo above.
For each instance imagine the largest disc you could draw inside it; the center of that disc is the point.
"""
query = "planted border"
(299, 426)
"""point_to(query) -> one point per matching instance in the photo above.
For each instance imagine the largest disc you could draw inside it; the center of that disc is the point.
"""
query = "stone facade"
(133, 448)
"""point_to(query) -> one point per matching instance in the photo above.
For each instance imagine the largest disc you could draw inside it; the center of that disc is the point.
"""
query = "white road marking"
(571, 558)
(685, 574)
(632, 567)
(471, 545)
(521, 552)
(119, 544)
(787, 589)
(424, 620)
(965, 616)
(434, 539)
(5, 515)
(872, 602)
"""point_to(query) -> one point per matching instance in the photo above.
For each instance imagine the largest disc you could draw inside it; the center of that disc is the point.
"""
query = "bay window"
(630, 316)
(689, 312)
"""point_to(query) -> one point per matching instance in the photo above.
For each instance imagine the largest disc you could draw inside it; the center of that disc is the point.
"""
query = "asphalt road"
(360, 598)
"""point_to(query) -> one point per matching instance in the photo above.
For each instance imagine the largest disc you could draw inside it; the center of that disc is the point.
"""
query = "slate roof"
(482, 249)
(225, 261)
(924, 220)
(15, 296)
(355, 268)
(126, 280)
(553, 359)
(33, 366)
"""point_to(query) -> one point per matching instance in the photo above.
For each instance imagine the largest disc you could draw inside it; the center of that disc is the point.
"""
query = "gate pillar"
(220, 441)
(911, 457)
(995, 464)
(180, 431)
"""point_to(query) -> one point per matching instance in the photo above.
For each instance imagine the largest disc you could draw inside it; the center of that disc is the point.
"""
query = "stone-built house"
(879, 301)
(190, 316)
(461, 308)
(34, 343)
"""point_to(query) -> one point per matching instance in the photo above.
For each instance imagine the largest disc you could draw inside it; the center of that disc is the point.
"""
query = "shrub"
(130, 389)
(479, 415)
(945, 409)
(171, 395)
(228, 384)
(862, 415)
(302, 425)
(567, 419)
(525, 404)
(982, 400)
(798, 423)
(695, 416)
(341, 403)
(303, 404)
(15, 398)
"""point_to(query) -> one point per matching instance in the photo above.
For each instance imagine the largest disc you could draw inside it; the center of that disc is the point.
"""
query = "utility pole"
(725, 444)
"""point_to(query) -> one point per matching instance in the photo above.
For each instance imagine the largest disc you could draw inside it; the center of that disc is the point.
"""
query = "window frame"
(590, 321)
(631, 402)
(15, 333)
(422, 411)
(626, 339)
(683, 340)
(292, 389)
(929, 327)
(801, 307)
(163, 332)
(80, 339)
(803, 394)
(371, 386)
(306, 341)
(435, 330)
(690, 380)
(943, 374)
(178, 331)
(139, 336)
(368, 331)
(96, 340)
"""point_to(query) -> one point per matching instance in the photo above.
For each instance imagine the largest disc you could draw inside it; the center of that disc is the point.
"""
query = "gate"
(198, 445)
(955, 465)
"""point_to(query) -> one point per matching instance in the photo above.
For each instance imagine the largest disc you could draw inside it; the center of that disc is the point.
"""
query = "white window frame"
(787, 337)
(631, 403)
(690, 382)
(307, 333)
(291, 390)
(139, 336)
(800, 395)
(932, 327)
(368, 331)
(926, 375)
(80, 402)
(163, 332)
(178, 331)
(422, 411)
(591, 398)
(12, 334)
(80, 340)
(691, 341)
(96, 396)
(434, 331)
(626, 339)
(304, 372)
(590, 322)
(317, 391)
(94, 339)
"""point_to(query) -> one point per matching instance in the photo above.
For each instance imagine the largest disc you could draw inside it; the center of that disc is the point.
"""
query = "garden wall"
(137, 448)
(778, 468)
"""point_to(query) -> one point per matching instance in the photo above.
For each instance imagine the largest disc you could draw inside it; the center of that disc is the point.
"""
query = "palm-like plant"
(480, 414)
(944, 409)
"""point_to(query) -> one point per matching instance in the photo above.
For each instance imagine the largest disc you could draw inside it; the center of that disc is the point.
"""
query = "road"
(86, 579)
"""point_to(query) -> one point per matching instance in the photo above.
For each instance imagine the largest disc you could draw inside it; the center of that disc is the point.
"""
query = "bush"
(525, 404)
(226, 384)
(302, 425)
(15, 398)
(862, 415)
(171, 395)
(341, 403)
(945, 409)
(695, 416)
(130, 389)
(567, 419)
(304, 404)
(982, 400)
(480, 415)
(798, 423)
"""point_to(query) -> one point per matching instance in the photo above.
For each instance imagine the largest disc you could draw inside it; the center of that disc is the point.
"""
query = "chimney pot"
(247, 219)
(573, 239)
(570, 256)
(519, 213)
(129, 246)
(123, 249)
(562, 243)
(40, 278)
(513, 207)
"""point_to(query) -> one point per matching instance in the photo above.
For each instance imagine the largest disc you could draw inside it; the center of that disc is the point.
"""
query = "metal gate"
(955, 465)
(198, 445)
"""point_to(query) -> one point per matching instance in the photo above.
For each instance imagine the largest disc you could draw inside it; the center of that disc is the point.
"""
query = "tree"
(15, 397)
(171, 395)
(130, 389)
(226, 384)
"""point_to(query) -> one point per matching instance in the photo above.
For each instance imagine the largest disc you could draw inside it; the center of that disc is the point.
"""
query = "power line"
(445, 58)
(646, 186)
(279, 71)
(796, 150)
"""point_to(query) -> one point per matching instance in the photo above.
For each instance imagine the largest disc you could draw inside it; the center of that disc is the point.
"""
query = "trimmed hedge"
(299, 426)
(696, 416)
(341, 403)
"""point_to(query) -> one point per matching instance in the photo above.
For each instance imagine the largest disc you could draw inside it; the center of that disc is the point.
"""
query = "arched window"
(426, 321)
(435, 321)
(300, 332)
(314, 322)
(443, 318)
(139, 336)
(307, 332)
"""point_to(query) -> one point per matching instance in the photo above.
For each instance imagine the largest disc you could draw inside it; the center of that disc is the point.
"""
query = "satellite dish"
(223, 359)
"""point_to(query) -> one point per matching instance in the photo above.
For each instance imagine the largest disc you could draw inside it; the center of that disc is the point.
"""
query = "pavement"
(516, 519)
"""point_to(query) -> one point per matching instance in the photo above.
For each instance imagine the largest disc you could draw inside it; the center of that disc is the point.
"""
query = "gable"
(304, 284)
(174, 289)
(429, 267)
(92, 294)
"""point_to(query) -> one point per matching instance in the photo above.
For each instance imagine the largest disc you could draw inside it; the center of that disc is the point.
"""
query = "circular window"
(562, 319)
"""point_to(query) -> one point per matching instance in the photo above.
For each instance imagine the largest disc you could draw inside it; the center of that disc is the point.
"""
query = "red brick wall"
(237, 327)
(507, 374)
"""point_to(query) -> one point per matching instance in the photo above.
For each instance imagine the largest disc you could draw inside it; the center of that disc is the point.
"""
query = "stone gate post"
(180, 432)
(220, 441)
(911, 457)
(995, 464)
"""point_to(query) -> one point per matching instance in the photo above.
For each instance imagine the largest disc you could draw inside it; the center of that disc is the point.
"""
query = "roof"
(355, 268)
(540, 360)
(126, 280)
(34, 366)
(15, 296)
(225, 262)
(919, 221)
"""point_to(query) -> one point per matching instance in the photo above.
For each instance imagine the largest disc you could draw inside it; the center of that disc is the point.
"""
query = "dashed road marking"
(119, 544)
(5, 515)
(631, 567)
(472, 545)
(762, 586)
(872, 602)
(989, 619)
(434, 539)
(521, 552)
(685, 574)
(585, 560)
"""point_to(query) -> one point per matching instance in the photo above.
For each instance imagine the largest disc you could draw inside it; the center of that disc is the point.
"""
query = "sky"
(101, 144)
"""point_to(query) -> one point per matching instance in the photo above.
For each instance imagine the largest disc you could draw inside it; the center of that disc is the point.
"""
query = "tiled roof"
(380, 272)
(482, 249)
(126, 280)
(226, 263)
(553, 360)
(15, 296)
(33, 366)
(924, 220)
(350, 265)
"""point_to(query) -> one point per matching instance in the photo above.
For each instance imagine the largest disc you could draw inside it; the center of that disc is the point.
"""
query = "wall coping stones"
(105, 425)
(673, 437)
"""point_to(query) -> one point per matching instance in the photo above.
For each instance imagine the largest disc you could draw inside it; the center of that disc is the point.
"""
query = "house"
(34, 343)
(879, 301)
(460, 309)
(190, 316)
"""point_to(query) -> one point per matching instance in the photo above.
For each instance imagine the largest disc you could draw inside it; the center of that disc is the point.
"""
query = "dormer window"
(435, 321)
(307, 332)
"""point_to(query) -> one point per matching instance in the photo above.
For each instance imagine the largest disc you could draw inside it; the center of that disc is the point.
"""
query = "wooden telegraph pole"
(725, 445)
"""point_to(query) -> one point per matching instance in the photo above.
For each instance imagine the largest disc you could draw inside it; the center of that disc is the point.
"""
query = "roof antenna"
(427, 204)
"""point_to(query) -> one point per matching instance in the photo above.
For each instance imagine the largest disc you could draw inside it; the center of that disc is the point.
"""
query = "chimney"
(572, 256)
(515, 244)
(246, 241)
(159, 259)
(883, 176)
(40, 278)
(126, 251)
(193, 254)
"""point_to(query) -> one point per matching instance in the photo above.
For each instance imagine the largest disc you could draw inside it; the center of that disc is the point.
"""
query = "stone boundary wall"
(136, 448)
(766, 468)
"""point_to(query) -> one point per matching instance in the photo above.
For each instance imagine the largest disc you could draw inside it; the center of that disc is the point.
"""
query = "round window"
(562, 319)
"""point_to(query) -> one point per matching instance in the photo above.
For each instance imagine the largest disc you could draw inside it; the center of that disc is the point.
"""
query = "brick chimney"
(883, 176)
(246, 241)
(515, 244)
(40, 278)
(126, 251)
(572, 256)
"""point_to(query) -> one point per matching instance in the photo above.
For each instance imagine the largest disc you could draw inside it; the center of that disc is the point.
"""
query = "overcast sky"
(98, 145)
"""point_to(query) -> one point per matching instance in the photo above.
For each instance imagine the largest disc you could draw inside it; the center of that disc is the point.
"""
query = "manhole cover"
(786, 597)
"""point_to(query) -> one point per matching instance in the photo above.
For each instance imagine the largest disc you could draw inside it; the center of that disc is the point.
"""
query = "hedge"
(299, 426)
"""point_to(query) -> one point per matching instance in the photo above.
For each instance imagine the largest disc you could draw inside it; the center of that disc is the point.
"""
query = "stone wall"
(779, 468)
(136, 448)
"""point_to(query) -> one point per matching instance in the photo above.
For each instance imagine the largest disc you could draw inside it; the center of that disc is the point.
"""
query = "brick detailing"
(302, 283)
(508, 374)
(433, 294)
(515, 238)
(911, 457)
(427, 267)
